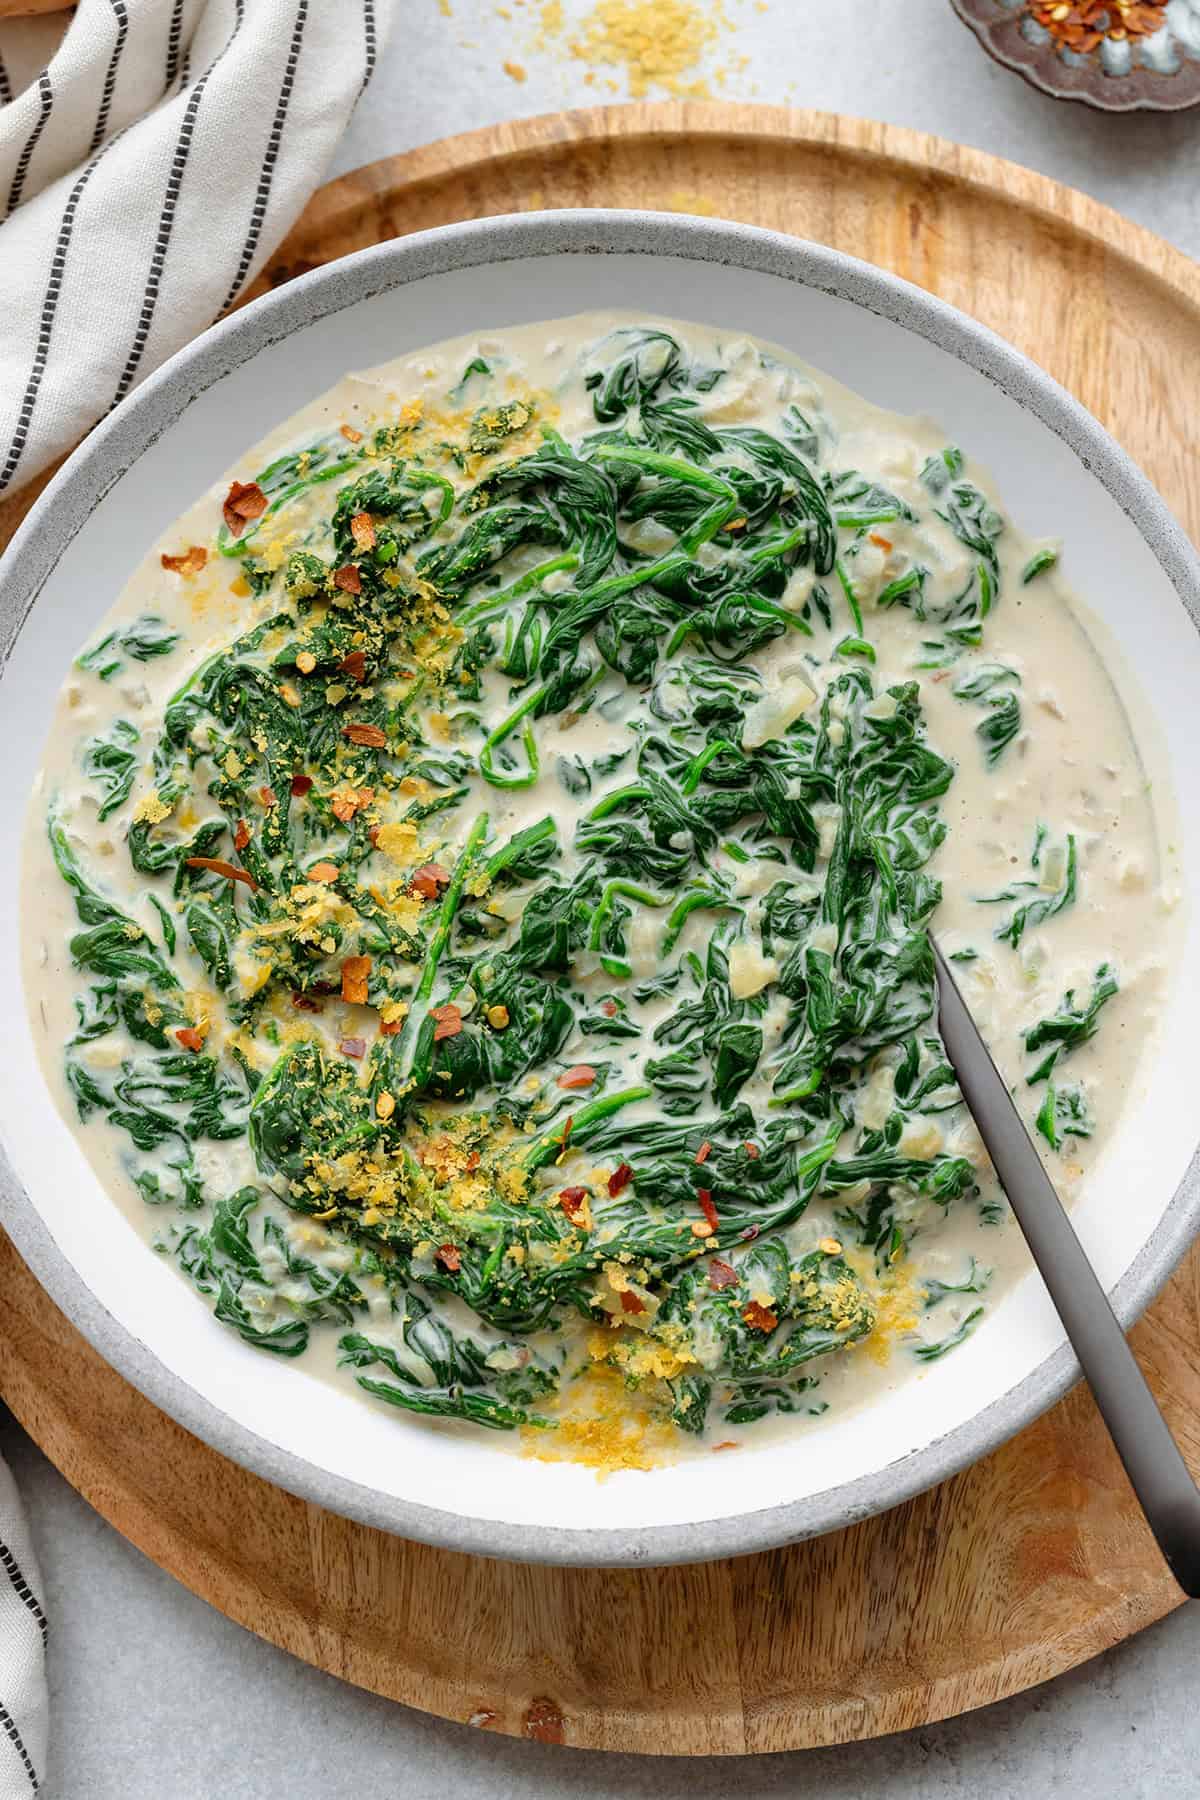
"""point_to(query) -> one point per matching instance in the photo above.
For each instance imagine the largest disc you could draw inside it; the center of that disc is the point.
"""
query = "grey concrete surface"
(909, 62)
(157, 1697)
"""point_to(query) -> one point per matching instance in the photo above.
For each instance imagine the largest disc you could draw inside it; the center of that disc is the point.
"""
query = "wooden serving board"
(1024, 1565)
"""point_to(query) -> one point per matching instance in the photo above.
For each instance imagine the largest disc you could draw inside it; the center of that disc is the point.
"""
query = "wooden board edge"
(917, 152)
(109, 1487)
(109, 1484)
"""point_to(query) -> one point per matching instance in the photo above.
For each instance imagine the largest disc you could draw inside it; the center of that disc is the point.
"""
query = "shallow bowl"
(1060, 475)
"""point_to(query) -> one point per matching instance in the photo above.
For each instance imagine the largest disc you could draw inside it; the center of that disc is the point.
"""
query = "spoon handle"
(1157, 1472)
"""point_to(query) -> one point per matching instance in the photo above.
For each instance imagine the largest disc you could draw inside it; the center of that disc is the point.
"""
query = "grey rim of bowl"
(1142, 90)
(128, 433)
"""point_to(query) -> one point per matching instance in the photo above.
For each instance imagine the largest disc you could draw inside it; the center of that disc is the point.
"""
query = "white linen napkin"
(152, 155)
(146, 172)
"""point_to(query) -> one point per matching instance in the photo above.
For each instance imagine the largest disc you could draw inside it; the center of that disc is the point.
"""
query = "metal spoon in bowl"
(1168, 1496)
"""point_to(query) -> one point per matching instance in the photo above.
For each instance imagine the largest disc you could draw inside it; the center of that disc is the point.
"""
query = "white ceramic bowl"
(1060, 475)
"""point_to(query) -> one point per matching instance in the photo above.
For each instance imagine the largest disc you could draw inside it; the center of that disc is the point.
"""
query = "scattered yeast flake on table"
(666, 45)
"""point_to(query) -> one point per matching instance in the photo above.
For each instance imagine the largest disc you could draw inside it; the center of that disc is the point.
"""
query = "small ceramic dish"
(1155, 73)
(1060, 475)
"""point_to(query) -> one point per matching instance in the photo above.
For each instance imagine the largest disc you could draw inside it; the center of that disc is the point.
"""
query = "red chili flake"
(354, 665)
(703, 1152)
(355, 1047)
(350, 434)
(345, 804)
(192, 1037)
(630, 1302)
(391, 1027)
(619, 1179)
(429, 880)
(355, 971)
(573, 1201)
(362, 530)
(877, 538)
(241, 836)
(1080, 26)
(369, 735)
(705, 1202)
(721, 1275)
(581, 1076)
(448, 1256)
(447, 1022)
(748, 1236)
(187, 565)
(760, 1318)
(473, 1161)
(752, 1151)
(268, 797)
(348, 579)
(243, 502)
(323, 873)
(609, 1008)
(301, 785)
(217, 867)
(305, 1003)
(543, 1721)
(570, 1120)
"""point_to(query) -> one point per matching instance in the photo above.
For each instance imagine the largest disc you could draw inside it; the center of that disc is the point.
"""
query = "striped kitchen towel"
(152, 154)
(22, 1653)
(151, 157)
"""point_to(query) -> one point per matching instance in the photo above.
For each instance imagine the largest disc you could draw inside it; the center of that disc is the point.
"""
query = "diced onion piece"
(769, 716)
(750, 971)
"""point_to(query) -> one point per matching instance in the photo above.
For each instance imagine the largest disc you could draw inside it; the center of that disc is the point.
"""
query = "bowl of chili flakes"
(1114, 55)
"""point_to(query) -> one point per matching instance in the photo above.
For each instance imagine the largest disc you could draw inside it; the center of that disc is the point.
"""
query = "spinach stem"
(410, 1037)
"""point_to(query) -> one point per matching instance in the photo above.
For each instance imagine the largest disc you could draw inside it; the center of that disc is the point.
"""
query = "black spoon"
(1157, 1472)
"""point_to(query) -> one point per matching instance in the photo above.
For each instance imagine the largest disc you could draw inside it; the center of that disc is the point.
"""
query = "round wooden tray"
(1022, 1566)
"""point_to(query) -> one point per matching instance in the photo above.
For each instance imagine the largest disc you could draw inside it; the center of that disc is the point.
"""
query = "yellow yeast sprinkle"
(399, 841)
(683, 200)
(152, 809)
(606, 1429)
(655, 41)
(896, 1298)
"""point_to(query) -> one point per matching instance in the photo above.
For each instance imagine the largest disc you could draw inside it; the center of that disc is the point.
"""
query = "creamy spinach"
(539, 980)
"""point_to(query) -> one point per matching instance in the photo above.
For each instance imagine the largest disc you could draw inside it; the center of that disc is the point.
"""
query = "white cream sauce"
(1075, 767)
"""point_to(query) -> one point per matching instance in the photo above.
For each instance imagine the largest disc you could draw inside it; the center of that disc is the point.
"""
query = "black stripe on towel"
(46, 95)
(166, 218)
(49, 309)
(174, 39)
(110, 80)
(371, 43)
(5, 85)
(12, 1569)
(259, 210)
(9, 1727)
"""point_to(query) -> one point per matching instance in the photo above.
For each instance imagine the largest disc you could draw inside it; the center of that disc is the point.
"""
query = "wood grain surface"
(1022, 1566)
